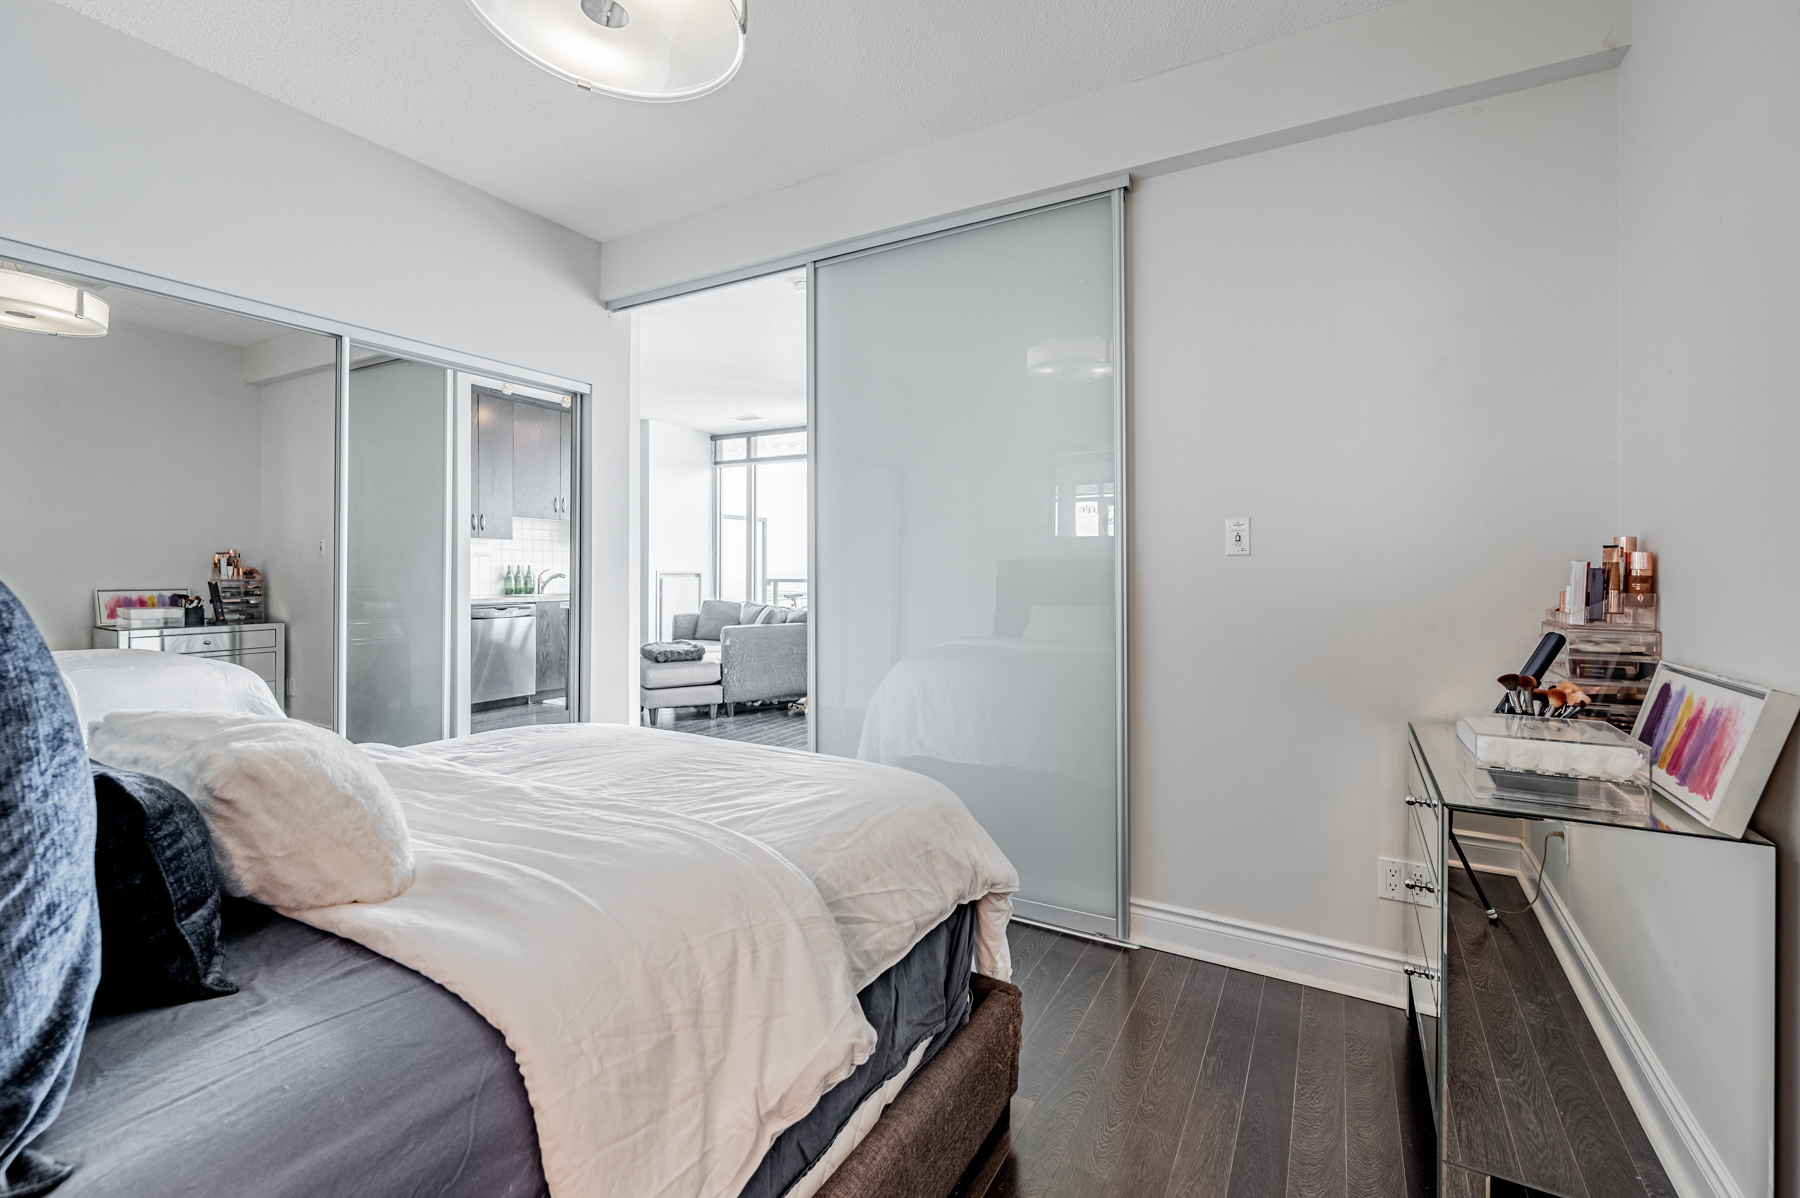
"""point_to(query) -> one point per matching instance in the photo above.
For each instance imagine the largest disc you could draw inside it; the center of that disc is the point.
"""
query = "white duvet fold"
(676, 993)
(892, 853)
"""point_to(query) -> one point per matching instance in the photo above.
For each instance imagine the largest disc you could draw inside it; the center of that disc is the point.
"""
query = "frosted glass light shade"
(665, 49)
(1082, 358)
(38, 305)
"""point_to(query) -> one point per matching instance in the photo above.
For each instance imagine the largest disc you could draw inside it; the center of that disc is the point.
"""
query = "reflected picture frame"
(108, 603)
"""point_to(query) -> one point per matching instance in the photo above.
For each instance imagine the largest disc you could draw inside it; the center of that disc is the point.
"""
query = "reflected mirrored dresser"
(1593, 992)
(259, 648)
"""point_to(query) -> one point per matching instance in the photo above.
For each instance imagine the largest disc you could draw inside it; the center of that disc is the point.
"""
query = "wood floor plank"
(1041, 1055)
(1099, 1140)
(1601, 1156)
(1461, 1183)
(1373, 1164)
(1476, 1132)
(1259, 1160)
(1650, 1174)
(1043, 1143)
(1412, 1095)
(1317, 1161)
(1203, 1158)
(1028, 945)
(1047, 977)
(1544, 1157)
(1148, 1155)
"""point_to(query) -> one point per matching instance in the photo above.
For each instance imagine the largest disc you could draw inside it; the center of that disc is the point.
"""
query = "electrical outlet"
(1389, 874)
(1422, 890)
(1392, 878)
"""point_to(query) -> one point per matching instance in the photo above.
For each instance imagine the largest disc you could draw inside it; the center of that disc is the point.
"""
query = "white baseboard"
(1687, 1155)
(1318, 961)
(1335, 965)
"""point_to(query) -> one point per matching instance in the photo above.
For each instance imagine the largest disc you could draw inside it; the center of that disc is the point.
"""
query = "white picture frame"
(1713, 742)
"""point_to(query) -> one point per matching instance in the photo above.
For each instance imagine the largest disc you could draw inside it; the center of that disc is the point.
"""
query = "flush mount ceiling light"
(1083, 359)
(652, 50)
(38, 305)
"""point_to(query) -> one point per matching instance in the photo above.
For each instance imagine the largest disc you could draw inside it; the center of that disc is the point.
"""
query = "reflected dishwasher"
(503, 651)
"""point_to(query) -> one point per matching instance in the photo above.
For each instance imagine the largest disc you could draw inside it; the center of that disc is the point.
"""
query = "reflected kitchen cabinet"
(540, 461)
(492, 492)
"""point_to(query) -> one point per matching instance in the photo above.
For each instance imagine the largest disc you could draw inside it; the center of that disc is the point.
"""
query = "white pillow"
(299, 817)
(1088, 625)
(102, 681)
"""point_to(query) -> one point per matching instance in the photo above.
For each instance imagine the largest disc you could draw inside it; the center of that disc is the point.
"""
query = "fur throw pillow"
(298, 816)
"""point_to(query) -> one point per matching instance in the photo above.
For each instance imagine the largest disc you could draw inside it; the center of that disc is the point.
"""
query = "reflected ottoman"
(679, 684)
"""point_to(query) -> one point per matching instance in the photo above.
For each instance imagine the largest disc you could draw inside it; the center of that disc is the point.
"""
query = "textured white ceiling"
(824, 85)
(708, 360)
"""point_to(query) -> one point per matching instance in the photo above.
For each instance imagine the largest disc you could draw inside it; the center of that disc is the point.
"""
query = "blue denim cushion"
(159, 896)
(49, 913)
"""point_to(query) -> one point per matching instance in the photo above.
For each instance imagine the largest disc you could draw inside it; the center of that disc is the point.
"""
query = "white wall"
(1710, 285)
(1374, 346)
(127, 461)
(154, 165)
(299, 423)
(1405, 57)
(679, 507)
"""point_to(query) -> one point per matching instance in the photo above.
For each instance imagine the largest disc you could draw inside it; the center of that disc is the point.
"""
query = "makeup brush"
(1511, 684)
(1527, 684)
(1557, 700)
(1540, 702)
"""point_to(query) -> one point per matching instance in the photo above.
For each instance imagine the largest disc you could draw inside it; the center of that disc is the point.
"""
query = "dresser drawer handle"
(1429, 975)
(1425, 886)
(1425, 802)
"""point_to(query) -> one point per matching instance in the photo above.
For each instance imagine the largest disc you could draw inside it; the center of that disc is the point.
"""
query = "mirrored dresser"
(1593, 992)
(259, 648)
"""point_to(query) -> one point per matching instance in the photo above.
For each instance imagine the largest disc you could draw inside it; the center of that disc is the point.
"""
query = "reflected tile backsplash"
(541, 544)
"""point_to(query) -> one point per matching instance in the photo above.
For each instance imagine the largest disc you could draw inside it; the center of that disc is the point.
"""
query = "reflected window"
(761, 520)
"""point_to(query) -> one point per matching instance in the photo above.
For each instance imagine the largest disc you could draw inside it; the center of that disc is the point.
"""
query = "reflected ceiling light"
(39, 305)
(653, 50)
(1083, 359)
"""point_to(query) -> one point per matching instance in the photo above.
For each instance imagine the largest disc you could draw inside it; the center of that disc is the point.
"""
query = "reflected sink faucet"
(542, 580)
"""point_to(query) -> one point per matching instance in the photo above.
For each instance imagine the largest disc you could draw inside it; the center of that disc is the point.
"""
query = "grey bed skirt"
(334, 1070)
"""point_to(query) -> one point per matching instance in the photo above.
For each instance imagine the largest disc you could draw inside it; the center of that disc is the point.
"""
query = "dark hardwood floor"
(1147, 1075)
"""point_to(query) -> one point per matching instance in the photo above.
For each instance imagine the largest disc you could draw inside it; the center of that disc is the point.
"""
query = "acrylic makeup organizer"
(1611, 660)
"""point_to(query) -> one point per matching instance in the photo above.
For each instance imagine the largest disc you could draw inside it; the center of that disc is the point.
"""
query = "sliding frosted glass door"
(398, 581)
(969, 535)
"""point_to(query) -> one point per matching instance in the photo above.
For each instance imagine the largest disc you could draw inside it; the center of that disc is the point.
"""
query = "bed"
(630, 962)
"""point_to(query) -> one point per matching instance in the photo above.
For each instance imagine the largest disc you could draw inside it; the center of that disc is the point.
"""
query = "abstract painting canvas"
(1713, 742)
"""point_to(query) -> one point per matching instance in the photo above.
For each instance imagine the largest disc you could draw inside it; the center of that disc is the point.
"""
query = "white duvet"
(669, 931)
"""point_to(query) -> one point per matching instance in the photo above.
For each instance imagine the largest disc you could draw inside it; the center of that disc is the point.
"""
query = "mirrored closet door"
(969, 545)
(397, 586)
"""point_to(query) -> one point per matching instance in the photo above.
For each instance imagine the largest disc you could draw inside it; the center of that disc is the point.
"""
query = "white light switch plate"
(1237, 536)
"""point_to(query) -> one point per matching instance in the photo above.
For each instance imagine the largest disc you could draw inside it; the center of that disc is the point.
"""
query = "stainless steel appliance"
(503, 651)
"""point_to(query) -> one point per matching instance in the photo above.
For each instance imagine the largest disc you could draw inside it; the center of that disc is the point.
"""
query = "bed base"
(924, 1141)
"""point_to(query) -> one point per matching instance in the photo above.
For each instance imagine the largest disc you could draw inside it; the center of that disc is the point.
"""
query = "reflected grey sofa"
(761, 650)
